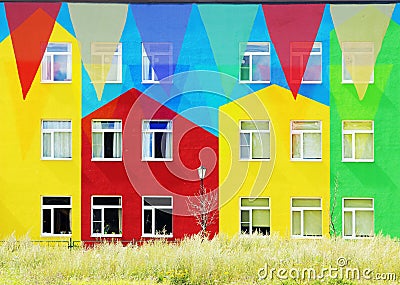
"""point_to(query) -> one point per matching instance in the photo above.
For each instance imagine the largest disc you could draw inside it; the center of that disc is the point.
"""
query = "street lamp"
(202, 173)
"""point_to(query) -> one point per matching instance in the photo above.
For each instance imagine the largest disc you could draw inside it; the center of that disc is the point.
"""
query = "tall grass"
(194, 260)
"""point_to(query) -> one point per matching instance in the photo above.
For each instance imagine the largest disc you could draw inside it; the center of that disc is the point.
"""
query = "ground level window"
(306, 217)
(255, 216)
(157, 216)
(358, 218)
(56, 215)
(106, 216)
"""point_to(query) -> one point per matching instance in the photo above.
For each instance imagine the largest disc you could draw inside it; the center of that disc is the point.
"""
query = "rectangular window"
(358, 218)
(157, 140)
(255, 66)
(107, 140)
(56, 215)
(106, 216)
(57, 63)
(107, 62)
(156, 62)
(358, 62)
(255, 140)
(358, 141)
(306, 217)
(299, 53)
(157, 216)
(56, 139)
(306, 140)
(255, 216)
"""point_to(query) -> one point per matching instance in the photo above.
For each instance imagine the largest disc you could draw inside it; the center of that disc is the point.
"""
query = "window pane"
(296, 146)
(312, 145)
(254, 125)
(358, 203)
(147, 70)
(57, 201)
(258, 202)
(147, 147)
(348, 146)
(46, 145)
(245, 228)
(147, 221)
(306, 203)
(46, 226)
(62, 224)
(364, 146)
(61, 67)
(306, 125)
(97, 145)
(314, 68)
(244, 152)
(62, 145)
(261, 145)
(257, 47)
(46, 68)
(357, 125)
(108, 145)
(97, 215)
(66, 125)
(245, 69)
(245, 139)
(159, 125)
(261, 68)
(112, 221)
(364, 223)
(162, 145)
(348, 224)
(157, 201)
(245, 216)
(58, 47)
(261, 218)
(96, 227)
(163, 222)
(312, 223)
(296, 223)
(116, 201)
(114, 70)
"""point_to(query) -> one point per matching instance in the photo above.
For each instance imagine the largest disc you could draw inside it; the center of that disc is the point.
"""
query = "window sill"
(354, 237)
(156, 236)
(156, 159)
(106, 82)
(106, 159)
(311, 82)
(106, 236)
(255, 160)
(306, 160)
(306, 237)
(55, 159)
(254, 82)
(351, 82)
(57, 82)
(357, 160)
(55, 235)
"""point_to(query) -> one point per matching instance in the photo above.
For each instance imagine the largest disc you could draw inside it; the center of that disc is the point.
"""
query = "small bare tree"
(203, 206)
(332, 216)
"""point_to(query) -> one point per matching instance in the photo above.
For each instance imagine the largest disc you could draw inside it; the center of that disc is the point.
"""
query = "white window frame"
(353, 55)
(116, 54)
(251, 140)
(145, 54)
(102, 207)
(146, 131)
(302, 55)
(250, 209)
(353, 141)
(153, 216)
(51, 208)
(353, 213)
(51, 132)
(301, 210)
(301, 133)
(102, 131)
(51, 55)
(250, 54)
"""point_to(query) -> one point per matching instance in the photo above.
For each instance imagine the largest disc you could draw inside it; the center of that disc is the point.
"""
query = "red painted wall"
(133, 178)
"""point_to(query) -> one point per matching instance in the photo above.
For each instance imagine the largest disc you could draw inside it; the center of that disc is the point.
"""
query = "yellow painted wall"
(24, 177)
(280, 179)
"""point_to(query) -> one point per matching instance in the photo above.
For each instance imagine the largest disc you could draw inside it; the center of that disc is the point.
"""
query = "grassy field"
(222, 260)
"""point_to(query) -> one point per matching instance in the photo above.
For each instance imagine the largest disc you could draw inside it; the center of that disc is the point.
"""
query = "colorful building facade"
(109, 110)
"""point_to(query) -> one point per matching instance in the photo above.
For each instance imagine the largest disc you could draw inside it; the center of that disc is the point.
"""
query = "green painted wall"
(379, 179)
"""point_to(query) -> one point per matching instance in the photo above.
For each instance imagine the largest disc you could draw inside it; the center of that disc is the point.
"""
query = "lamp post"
(202, 173)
